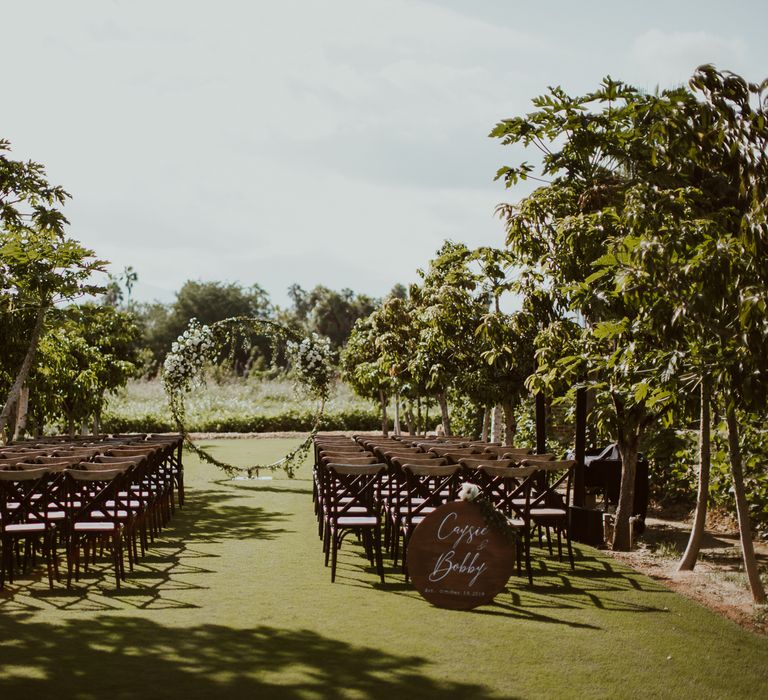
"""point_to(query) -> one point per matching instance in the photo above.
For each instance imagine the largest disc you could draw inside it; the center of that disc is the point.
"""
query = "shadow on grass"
(281, 487)
(119, 657)
(211, 517)
(595, 583)
(178, 561)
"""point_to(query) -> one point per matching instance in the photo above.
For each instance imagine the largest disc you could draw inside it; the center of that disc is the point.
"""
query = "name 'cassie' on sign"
(471, 565)
(465, 533)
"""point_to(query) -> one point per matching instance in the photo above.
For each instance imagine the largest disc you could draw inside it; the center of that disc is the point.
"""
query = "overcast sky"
(335, 142)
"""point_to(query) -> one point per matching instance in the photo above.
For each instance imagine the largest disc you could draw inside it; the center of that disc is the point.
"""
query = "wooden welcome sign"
(456, 560)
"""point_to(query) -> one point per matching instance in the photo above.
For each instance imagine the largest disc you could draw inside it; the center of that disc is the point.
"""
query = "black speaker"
(587, 525)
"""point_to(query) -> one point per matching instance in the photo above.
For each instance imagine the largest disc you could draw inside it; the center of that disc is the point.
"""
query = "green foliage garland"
(494, 518)
(201, 345)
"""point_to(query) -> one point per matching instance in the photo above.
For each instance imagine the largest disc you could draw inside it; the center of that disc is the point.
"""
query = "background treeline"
(321, 310)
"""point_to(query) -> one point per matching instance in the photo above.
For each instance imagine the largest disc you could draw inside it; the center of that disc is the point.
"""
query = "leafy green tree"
(208, 302)
(362, 367)
(651, 236)
(594, 154)
(448, 307)
(702, 263)
(39, 265)
(88, 354)
(328, 312)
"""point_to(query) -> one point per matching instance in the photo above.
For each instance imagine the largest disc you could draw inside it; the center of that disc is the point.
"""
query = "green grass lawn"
(234, 601)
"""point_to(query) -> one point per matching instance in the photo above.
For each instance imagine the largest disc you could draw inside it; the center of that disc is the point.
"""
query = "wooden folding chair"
(352, 505)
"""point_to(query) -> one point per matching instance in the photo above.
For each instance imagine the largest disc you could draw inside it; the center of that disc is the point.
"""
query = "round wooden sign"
(456, 560)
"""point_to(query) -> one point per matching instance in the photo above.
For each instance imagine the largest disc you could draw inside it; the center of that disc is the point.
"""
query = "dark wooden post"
(541, 424)
(579, 488)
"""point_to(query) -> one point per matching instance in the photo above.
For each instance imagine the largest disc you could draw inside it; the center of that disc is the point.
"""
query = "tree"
(40, 265)
(708, 271)
(208, 302)
(594, 154)
(362, 368)
(656, 238)
(87, 354)
(328, 312)
(448, 309)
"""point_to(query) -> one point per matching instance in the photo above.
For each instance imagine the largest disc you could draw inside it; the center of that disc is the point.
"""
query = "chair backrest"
(356, 449)
(351, 486)
(508, 488)
(348, 459)
(419, 459)
(103, 464)
(472, 463)
(554, 490)
(546, 457)
(508, 450)
(428, 487)
(102, 490)
(26, 494)
(452, 451)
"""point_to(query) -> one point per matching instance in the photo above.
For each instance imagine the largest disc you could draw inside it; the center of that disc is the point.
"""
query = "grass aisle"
(234, 601)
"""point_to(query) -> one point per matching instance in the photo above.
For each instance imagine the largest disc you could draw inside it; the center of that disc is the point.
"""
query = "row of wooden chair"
(112, 493)
(384, 487)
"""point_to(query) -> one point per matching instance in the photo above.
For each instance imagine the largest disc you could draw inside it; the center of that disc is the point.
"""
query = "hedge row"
(288, 421)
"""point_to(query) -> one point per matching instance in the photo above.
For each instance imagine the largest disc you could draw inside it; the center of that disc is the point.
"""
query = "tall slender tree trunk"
(628, 448)
(496, 423)
(397, 412)
(419, 421)
(486, 423)
(97, 419)
(742, 509)
(384, 420)
(688, 561)
(26, 365)
(446, 418)
(510, 425)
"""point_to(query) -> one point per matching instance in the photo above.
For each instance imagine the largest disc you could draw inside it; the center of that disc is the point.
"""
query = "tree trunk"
(409, 420)
(697, 530)
(26, 365)
(97, 421)
(397, 412)
(628, 448)
(384, 421)
(486, 423)
(22, 413)
(419, 419)
(510, 425)
(742, 509)
(496, 423)
(443, 402)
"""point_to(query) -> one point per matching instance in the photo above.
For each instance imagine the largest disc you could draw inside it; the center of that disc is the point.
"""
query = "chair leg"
(379, 558)
(526, 544)
(334, 549)
(570, 548)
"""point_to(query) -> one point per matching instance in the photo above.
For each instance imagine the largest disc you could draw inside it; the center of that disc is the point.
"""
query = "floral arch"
(203, 345)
